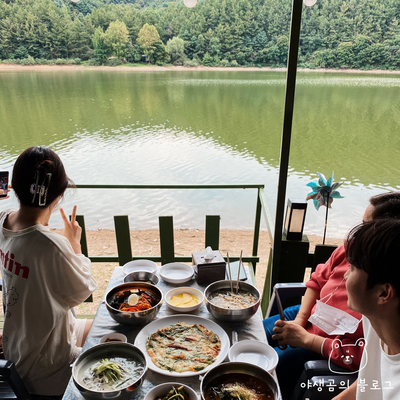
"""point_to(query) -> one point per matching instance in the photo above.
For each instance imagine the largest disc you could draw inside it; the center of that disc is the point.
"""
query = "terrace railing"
(166, 229)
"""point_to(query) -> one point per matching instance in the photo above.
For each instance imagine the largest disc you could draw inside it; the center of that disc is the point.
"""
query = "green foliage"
(207, 59)
(335, 33)
(224, 63)
(147, 38)
(21, 52)
(214, 47)
(101, 50)
(133, 53)
(176, 50)
(160, 55)
(116, 38)
(191, 63)
(114, 62)
(28, 61)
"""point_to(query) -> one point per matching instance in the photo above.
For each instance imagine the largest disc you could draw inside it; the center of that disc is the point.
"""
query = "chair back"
(11, 385)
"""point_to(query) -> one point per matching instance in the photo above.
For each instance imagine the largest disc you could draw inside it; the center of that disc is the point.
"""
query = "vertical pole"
(287, 131)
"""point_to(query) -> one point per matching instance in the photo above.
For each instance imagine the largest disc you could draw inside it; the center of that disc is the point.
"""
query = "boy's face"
(359, 298)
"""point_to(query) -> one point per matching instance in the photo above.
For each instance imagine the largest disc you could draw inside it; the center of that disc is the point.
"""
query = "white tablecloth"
(251, 329)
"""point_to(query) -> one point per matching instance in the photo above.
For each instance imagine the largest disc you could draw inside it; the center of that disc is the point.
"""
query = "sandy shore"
(13, 67)
(146, 242)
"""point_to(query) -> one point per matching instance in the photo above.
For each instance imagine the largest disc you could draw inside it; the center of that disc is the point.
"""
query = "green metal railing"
(122, 230)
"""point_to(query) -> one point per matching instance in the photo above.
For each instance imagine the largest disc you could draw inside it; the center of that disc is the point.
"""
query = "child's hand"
(72, 230)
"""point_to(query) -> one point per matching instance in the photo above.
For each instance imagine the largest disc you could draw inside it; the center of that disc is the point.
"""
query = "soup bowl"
(112, 301)
(142, 276)
(231, 315)
(110, 350)
(232, 372)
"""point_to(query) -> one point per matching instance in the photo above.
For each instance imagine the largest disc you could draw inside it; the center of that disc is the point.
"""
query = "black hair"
(386, 205)
(374, 248)
(39, 177)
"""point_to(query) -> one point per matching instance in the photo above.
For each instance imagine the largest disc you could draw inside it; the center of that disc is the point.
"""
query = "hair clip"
(40, 190)
(43, 190)
(34, 186)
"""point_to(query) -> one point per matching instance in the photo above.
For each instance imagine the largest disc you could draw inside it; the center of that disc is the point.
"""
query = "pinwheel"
(323, 193)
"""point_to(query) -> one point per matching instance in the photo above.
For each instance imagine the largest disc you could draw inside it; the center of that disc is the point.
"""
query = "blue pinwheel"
(323, 193)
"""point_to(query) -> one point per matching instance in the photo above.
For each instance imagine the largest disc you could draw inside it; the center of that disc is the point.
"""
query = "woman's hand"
(72, 230)
(8, 195)
(292, 334)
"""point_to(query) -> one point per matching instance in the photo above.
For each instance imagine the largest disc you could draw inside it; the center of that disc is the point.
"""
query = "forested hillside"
(335, 33)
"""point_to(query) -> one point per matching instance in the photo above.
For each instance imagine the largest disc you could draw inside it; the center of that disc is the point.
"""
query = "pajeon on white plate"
(256, 353)
(152, 327)
(176, 273)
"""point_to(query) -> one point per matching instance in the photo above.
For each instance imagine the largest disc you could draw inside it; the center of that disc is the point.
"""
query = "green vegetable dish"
(113, 373)
(176, 393)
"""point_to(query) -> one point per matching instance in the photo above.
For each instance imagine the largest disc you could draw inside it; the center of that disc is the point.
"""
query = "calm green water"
(195, 127)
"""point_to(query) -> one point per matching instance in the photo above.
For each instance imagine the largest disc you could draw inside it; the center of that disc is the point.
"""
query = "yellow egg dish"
(183, 300)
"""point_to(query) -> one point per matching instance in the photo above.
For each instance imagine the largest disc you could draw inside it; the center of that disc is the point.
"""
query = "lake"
(205, 127)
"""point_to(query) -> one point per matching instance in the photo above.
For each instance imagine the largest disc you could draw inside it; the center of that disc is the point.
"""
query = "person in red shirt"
(308, 341)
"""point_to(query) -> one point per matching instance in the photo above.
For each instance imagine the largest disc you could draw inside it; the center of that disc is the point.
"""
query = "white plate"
(139, 265)
(256, 353)
(176, 273)
(141, 340)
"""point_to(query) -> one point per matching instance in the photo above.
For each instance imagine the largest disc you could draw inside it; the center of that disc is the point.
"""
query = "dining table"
(103, 324)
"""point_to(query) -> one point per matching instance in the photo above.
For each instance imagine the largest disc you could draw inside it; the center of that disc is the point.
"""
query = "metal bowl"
(226, 369)
(98, 353)
(138, 317)
(229, 315)
(142, 276)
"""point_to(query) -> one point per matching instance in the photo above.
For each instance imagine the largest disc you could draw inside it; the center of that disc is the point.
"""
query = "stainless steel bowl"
(138, 317)
(98, 353)
(229, 368)
(225, 314)
(142, 276)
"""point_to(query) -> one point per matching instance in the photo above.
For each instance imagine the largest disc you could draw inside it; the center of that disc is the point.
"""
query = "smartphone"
(3, 184)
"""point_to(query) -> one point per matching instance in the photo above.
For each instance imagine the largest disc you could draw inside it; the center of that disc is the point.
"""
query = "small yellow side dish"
(183, 300)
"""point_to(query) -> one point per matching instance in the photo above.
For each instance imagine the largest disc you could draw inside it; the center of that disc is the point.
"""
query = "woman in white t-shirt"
(44, 275)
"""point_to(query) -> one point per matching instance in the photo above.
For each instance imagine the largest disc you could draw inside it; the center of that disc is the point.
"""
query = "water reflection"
(205, 127)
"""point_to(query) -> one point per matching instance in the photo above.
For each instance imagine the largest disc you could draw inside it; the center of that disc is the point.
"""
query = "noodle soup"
(110, 374)
(231, 300)
(237, 386)
(114, 370)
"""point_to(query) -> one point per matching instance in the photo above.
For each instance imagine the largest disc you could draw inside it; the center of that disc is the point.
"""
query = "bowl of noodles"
(229, 305)
(238, 380)
(134, 303)
(110, 370)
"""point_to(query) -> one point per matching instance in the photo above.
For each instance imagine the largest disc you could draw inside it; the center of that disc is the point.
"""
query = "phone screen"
(3, 183)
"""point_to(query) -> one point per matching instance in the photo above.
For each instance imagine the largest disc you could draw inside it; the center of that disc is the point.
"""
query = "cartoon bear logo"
(12, 296)
(12, 299)
(347, 356)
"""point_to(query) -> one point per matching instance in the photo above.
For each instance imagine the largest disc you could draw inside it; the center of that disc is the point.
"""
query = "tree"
(116, 38)
(80, 39)
(214, 47)
(101, 50)
(176, 50)
(147, 38)
(160, 54)
(200, 46)
(260, 41)
(207, 59)
(345, 54)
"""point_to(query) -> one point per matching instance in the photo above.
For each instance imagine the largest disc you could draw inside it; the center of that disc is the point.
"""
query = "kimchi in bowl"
(134, 303)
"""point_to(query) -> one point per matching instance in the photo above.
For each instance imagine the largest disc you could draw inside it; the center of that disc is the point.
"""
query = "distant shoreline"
(155, 68)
